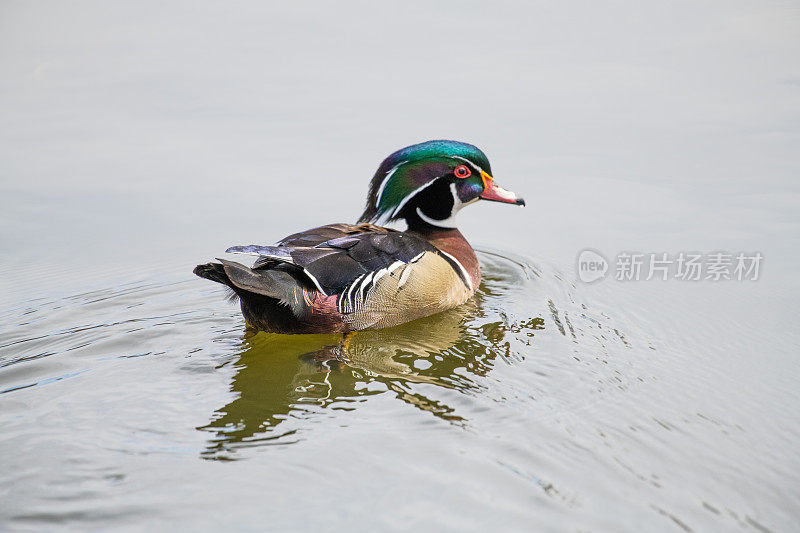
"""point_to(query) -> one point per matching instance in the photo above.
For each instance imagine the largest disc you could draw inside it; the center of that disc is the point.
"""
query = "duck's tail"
(214, 272)
(272, 296)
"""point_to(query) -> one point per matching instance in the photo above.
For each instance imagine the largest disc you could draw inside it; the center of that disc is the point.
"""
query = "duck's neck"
(451, 241)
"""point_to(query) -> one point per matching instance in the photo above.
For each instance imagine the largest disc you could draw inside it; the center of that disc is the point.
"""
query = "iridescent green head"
(426, 184)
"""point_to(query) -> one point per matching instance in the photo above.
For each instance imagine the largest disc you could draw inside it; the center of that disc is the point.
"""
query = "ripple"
(539, 381)
(416, 363)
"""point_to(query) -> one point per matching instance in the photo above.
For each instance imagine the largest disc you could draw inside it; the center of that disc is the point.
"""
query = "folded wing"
(336, 255)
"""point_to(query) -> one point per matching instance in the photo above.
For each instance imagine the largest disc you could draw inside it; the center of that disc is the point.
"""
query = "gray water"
(141, 139)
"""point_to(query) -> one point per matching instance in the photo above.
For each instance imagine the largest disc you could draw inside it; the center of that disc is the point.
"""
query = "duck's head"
(426, 184)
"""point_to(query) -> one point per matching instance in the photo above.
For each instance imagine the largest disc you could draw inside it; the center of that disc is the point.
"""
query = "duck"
(342, 278)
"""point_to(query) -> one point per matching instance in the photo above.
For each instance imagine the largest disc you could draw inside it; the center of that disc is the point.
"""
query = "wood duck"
(342, 278)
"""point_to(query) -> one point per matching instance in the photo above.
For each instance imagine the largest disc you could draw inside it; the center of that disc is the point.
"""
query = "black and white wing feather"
(342, 259)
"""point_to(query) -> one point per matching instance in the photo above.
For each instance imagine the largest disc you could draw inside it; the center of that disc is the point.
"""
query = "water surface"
(140, 140)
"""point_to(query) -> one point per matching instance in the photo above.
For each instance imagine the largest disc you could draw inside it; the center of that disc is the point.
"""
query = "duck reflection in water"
(281, 381)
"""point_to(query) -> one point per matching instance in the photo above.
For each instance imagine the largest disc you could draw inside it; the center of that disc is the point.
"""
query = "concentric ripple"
(529, 391)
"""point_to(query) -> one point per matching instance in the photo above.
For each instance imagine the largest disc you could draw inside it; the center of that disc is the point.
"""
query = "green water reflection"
(283, 379)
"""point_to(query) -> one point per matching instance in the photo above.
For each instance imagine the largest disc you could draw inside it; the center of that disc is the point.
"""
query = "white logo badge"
(591, 266)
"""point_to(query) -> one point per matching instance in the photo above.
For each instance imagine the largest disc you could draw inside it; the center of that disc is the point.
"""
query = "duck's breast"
(420, 288)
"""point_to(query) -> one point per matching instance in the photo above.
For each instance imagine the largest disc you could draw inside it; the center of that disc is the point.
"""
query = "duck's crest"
(408, 170)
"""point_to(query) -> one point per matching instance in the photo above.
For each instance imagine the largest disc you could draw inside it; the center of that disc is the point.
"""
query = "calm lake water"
(139, 140)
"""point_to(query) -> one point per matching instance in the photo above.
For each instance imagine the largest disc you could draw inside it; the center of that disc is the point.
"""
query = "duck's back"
(343, 277)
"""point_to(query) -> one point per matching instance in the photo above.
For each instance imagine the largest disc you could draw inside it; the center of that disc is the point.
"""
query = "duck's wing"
(337, 255)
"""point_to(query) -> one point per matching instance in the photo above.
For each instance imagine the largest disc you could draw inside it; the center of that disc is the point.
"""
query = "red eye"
(462, 172)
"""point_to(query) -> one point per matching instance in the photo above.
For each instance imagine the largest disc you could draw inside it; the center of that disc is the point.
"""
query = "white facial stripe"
(457, 203)
(469, 162)
(449, 222)
(382, 187)
(384, 218)
(409, 197)
(379, 196)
